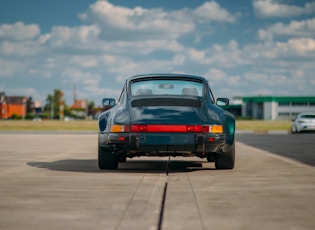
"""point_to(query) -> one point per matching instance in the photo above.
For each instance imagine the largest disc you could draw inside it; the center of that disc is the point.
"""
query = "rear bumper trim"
(165, 142)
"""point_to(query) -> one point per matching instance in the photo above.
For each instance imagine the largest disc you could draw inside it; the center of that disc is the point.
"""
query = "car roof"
(165, 75)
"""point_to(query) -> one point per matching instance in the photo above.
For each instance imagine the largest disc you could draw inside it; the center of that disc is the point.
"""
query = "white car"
(303, 122)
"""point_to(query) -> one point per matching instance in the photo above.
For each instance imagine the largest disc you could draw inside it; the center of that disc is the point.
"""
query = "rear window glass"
(309, 116)
(167, 87)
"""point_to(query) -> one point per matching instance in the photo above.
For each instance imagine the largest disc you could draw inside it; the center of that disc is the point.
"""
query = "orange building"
(10, 106)
(79, 108)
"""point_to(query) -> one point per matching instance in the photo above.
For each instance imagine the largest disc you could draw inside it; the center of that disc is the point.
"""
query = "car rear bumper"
(147, 142)
(306, 127)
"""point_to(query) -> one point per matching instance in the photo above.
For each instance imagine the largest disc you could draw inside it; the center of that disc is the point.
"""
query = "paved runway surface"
(51, 181)
(300, 147)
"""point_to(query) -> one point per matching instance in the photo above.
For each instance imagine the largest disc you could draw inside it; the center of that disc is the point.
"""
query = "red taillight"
(206, 129)
(122, 138)
(167, 128)
(155, 128)
(158, 128)
(138, 128)
(193, 128)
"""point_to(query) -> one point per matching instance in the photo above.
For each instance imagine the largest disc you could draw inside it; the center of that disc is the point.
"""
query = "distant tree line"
(51, 109)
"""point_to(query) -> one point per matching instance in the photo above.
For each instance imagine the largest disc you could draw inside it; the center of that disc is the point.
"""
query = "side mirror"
(222, 101)
(108, 102)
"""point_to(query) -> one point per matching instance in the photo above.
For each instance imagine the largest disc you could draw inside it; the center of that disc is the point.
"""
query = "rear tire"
(107, 159)
(294, 130)
(122, 157)
(225, 160)
(211, 157)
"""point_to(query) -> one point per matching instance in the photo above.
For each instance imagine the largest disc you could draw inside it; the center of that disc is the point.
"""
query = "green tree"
(30, 105)
(91, 108)
(52, 104)
(30, 108)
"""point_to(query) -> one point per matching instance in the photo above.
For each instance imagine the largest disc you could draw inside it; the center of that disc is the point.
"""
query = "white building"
(276, 108)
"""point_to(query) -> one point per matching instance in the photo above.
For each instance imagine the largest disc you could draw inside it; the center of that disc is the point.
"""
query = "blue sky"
(244, 48)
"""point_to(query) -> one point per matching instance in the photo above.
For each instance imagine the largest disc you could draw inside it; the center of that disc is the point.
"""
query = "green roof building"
(276, 108)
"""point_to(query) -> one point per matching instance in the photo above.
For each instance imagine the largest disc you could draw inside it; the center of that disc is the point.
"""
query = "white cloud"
(136, 48)
(265, 78)
(262, 82)
(276, 52)
(19, 40)
(132, 67)
(121, 23)
(302, 45)
(85, 39)
(214, 74)
(19, 31)
(86, 61)
(81, 38)
(19, 49)
(8, 67)
(305, 28)
(74, 75)
(28, 92)
(217, 77)
(228, 55)
(211, 11)
(271, 8)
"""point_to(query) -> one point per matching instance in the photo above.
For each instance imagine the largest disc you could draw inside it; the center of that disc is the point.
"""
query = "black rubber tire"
(294, 130)
(106, 159)
(211, 157)
(122, 157)
(225, 160)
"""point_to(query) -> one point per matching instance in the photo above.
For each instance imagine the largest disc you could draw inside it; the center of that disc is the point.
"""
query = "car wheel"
(225, 160)
(211, 157)
(293, 129)
(122, 157)
(107, 159)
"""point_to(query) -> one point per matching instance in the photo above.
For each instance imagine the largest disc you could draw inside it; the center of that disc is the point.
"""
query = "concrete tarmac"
(52, 181)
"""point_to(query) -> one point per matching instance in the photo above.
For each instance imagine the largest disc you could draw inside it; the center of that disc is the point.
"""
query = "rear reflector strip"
(156, 128)
(177, 128)
(162, 128)
(122, 138)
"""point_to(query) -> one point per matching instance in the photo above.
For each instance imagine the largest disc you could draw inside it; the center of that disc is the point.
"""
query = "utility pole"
(52, 109)
(74, 93)
(23, 108)
(61, 106)
(86, 110)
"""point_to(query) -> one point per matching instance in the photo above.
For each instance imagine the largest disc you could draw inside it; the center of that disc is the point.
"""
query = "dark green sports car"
(166, 115)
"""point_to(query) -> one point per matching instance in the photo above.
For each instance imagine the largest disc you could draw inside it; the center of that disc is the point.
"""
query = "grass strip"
(260, 125)
(48, 125)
